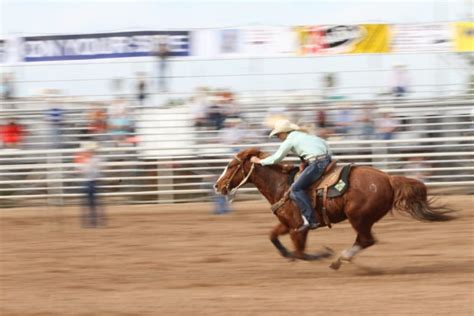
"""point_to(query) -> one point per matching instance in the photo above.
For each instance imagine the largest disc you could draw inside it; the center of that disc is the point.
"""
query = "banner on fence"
(255, 41)
(103, 45)
(464, 36)
(313, 40)
(230, 41)
(356, 39)
(373, 39)
(267, 41)
(429, 37)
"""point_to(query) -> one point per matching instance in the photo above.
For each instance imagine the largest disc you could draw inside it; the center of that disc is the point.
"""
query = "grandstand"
(174, 162)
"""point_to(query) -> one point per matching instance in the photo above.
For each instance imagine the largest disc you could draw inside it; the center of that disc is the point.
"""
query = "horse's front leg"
(279, 230)
(299, 240)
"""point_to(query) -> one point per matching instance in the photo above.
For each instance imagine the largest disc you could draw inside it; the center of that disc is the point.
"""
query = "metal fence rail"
(50, 175)
(435, 142)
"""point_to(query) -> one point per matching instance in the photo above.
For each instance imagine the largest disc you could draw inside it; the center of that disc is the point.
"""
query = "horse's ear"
(249, 152)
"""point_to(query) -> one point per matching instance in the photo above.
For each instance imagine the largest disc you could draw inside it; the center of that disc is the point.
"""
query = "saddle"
(333, 183)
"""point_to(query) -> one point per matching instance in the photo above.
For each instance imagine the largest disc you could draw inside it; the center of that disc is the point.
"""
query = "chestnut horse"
(370, 196)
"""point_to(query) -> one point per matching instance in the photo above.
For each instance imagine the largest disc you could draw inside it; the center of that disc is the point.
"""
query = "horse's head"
(237, 172)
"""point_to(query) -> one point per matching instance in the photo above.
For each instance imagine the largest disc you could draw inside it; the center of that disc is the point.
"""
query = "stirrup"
(303, 227)
(314, 225)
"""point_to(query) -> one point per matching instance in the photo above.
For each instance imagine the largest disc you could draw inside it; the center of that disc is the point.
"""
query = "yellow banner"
(375, 38)
(464, 37)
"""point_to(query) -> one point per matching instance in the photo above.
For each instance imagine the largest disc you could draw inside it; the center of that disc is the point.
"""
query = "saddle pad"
(341, 186)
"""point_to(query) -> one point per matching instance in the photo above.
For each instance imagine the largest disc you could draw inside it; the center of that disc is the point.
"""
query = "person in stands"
(11, 134)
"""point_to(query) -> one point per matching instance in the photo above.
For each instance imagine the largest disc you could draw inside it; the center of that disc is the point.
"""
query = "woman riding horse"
(371, 194)
(315, 155)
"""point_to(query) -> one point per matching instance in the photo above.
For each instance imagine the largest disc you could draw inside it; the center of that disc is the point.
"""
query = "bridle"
(244, 179)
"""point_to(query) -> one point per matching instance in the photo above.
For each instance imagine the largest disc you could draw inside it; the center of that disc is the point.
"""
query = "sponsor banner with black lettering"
(428, 37)
(104, 45)
(265, 40)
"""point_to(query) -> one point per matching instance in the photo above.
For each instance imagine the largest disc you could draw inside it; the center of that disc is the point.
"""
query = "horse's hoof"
(290, 255)
(336, 265)
(329, 251)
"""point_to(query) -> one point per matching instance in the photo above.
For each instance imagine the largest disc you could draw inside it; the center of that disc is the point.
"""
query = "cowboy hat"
(283, 126)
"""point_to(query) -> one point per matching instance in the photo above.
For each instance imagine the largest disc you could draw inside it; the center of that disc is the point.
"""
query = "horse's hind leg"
(279, 230)
(364, 240)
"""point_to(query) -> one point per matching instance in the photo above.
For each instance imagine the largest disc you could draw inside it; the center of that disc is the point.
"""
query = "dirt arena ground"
(182, 260)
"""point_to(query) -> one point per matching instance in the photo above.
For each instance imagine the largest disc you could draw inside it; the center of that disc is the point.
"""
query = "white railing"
(50, 175)
(138, 174)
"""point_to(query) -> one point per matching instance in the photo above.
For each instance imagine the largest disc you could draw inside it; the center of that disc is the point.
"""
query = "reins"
(244, 179)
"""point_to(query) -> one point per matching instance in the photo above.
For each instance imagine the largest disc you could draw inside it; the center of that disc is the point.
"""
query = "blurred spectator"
(418, 163)
(119, 126)
(55, 117)
(141, 89)
(7, 90)
(322, 127)
(97, 124)
(343, 120)
(217, 112)
(117, 106)
(221, 206)
(162, 54)
(117, 87)
(366, 122)
(386, 125)
(230, 105)
(232, 134)
(199, 108)
(11, 134)
(88, 164)
(399, 81)
(329, 86)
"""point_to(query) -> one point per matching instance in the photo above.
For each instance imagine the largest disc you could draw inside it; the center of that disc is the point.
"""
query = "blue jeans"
(221, 206)
(93, 216)
(297, 191)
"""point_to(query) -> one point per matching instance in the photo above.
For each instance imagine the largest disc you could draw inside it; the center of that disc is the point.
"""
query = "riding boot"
(313, 224)
(303, 226)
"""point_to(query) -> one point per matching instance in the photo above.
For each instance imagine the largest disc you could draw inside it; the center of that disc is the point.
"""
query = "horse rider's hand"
(255, 159)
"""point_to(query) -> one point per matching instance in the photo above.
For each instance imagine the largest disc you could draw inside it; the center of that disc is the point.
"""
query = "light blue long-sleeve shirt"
(304, 145)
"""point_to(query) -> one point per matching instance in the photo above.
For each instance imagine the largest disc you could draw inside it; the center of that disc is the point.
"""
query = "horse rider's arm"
(281, 153)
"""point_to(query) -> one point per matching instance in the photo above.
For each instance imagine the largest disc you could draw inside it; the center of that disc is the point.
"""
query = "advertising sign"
(103, 45)
(429, 37)
(374, 38)
(229, 40)
(464, 36)
(329, 39)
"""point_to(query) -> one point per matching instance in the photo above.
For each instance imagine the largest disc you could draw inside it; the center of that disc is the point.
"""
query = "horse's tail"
(410, 196)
